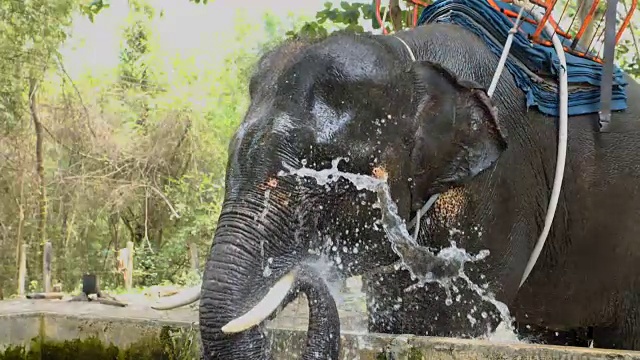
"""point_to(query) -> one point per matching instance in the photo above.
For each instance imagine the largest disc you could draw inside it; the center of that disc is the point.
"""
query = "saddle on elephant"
(533, 60)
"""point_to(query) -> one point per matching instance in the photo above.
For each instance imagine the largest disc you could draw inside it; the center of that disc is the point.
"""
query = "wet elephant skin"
(430, 125)
(587, 278)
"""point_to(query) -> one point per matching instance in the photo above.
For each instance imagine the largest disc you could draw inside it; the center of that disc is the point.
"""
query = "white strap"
(562, 145)
(413, 58)
(505, 54)
(416, 220)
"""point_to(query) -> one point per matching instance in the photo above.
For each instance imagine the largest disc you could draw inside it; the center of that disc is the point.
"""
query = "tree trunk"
(583, 10)
(42, 191)
(396, 14)
(20, 218)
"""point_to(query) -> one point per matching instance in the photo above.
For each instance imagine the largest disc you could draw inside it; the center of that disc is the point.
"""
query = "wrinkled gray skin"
(586, 282)
(318, 101)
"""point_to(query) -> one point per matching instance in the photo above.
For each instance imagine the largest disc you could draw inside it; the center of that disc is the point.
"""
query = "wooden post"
(128, 281)
(193, 253)
(47, 257)
(121, 263)
(22, 272)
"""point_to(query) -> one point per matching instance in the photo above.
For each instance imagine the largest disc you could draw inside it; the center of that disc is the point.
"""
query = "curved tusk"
(265, 307)
(185, 297)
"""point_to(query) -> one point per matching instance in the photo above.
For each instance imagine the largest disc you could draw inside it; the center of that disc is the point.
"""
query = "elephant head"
(353, 96)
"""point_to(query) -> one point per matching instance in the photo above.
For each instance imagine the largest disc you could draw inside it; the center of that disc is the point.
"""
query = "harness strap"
(505, 54)
(606, 84)
(562, 145)
(416, 219)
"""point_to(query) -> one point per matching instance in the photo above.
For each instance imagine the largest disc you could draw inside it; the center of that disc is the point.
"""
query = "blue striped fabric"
(527, 59)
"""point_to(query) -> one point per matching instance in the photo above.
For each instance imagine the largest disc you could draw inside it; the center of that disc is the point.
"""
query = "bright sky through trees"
(184, 28)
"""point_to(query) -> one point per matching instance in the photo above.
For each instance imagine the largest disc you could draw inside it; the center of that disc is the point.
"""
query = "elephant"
(324, 321)
(429, 125)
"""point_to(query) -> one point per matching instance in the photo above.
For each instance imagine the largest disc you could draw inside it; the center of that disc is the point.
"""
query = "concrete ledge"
(138, 332)
(409, 347)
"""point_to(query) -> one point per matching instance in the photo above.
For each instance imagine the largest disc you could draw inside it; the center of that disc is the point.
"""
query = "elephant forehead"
(283, 123)
(339, 58)
(328, 120)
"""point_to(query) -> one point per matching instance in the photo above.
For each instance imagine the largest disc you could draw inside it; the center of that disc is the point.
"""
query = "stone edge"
(289, 342)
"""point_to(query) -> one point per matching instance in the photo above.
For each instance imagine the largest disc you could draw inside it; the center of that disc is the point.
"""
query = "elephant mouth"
(274, 299)
(323, 333)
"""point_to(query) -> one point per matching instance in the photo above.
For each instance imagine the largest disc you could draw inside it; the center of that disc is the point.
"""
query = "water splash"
(423, 265)
(267, 206)
(323, 267)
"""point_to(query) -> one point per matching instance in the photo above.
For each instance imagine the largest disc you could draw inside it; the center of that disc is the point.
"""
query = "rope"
(562, 147)
(505, 54)
(413, 57)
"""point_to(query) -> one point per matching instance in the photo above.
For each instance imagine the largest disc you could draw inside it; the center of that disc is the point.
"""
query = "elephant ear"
(458, 133)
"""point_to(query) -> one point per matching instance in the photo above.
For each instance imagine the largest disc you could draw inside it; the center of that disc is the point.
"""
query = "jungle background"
(115, 117)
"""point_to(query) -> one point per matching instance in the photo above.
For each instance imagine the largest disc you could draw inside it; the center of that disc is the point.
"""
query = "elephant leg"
(624, 332)
(424, 311)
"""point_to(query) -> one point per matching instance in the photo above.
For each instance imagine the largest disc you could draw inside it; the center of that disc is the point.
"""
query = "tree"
(30, 35)
(349, 16)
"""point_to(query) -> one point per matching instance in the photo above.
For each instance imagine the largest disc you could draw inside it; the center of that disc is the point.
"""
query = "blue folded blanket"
(527, 58)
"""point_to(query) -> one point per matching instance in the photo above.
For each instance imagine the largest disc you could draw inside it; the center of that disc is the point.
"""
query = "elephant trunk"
(254, 270)
(323, 333)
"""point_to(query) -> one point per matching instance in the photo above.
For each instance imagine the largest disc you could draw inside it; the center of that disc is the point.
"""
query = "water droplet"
(448, 301)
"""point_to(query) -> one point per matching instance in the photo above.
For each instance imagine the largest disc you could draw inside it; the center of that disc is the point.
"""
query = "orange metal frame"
(416, 10)
(549, 5)
(536, 36)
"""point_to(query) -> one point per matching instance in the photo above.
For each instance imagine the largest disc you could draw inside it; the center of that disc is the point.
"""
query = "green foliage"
(346, 17)
(30, 33)
(349, 16)
(628, 58)
(93, 8)
(172, 343)
(137, 152)
(134, 153)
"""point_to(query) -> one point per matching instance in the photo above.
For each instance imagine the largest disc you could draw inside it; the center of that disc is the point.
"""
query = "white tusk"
(265, 307)
(185, 297)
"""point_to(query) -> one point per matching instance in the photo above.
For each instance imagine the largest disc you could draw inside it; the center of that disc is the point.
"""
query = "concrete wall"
(130, 327)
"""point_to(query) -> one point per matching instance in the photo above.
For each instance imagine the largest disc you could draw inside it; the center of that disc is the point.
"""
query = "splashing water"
(323, 267)
(263, 215)
(422, 264)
